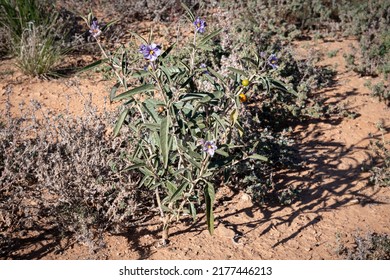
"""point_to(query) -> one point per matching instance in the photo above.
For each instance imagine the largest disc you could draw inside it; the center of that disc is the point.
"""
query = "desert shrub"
(380, 171)
(369, 21)
(59, 173)
(266, 21)
(135, 10)
(286, 20)
(4, 45)
(373, 246)
(250, 35)
(380, 91)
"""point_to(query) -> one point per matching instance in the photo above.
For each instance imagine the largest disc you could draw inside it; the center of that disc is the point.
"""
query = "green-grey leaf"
(190, 14)
(219, 120)
(134, 91)
(193, 211)
(168, 50)
(120, 121)
(150, 107)
(113, 90)
(139, 37)
(143, 181)
(134, 166)
(216, 74)
(179, 191)
(152, 126)
(222, 153)
(282, 86)
(104, 28)
(250, 60)
(146, 171)
(171, 187)
(266, 83)
(210, 36)
(192, 161)
(259, 157)
(92, 65)
(141, 73)
(164, 131)
(237, 71)
(193, 96)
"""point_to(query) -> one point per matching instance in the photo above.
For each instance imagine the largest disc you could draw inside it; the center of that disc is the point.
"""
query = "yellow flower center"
(151, 52)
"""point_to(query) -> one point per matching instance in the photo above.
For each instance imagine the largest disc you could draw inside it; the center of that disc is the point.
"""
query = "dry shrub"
(61, 173)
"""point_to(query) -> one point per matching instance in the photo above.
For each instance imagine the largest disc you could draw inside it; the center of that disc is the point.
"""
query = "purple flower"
(272, 61)
(200, 25)
(94, 29)
(150, 52)
(142, 48)
(204, 66)
(148, 67)
(208, 146)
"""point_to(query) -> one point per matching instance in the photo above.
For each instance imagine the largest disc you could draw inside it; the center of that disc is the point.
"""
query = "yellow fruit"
(245, 82)
(242, 98)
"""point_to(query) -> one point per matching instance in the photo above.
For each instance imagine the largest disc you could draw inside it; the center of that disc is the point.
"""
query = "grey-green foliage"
(380, 173)
(284, 19)
(287, 20)
(381, 91)
(369, 21)
(176, 107)
(372, 246)
(58, 173)
(256, 29)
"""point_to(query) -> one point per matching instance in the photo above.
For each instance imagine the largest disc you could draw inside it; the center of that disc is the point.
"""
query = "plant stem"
(159, 203)
(112, 65)
(192, 61)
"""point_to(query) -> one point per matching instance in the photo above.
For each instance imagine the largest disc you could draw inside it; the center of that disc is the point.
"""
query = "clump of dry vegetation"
(61, 174)
(372, 246)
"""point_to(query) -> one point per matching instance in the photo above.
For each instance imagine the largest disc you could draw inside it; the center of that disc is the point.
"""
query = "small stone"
(245, 197)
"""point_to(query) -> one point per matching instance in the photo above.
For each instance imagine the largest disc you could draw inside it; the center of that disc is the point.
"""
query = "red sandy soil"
(336, 201)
